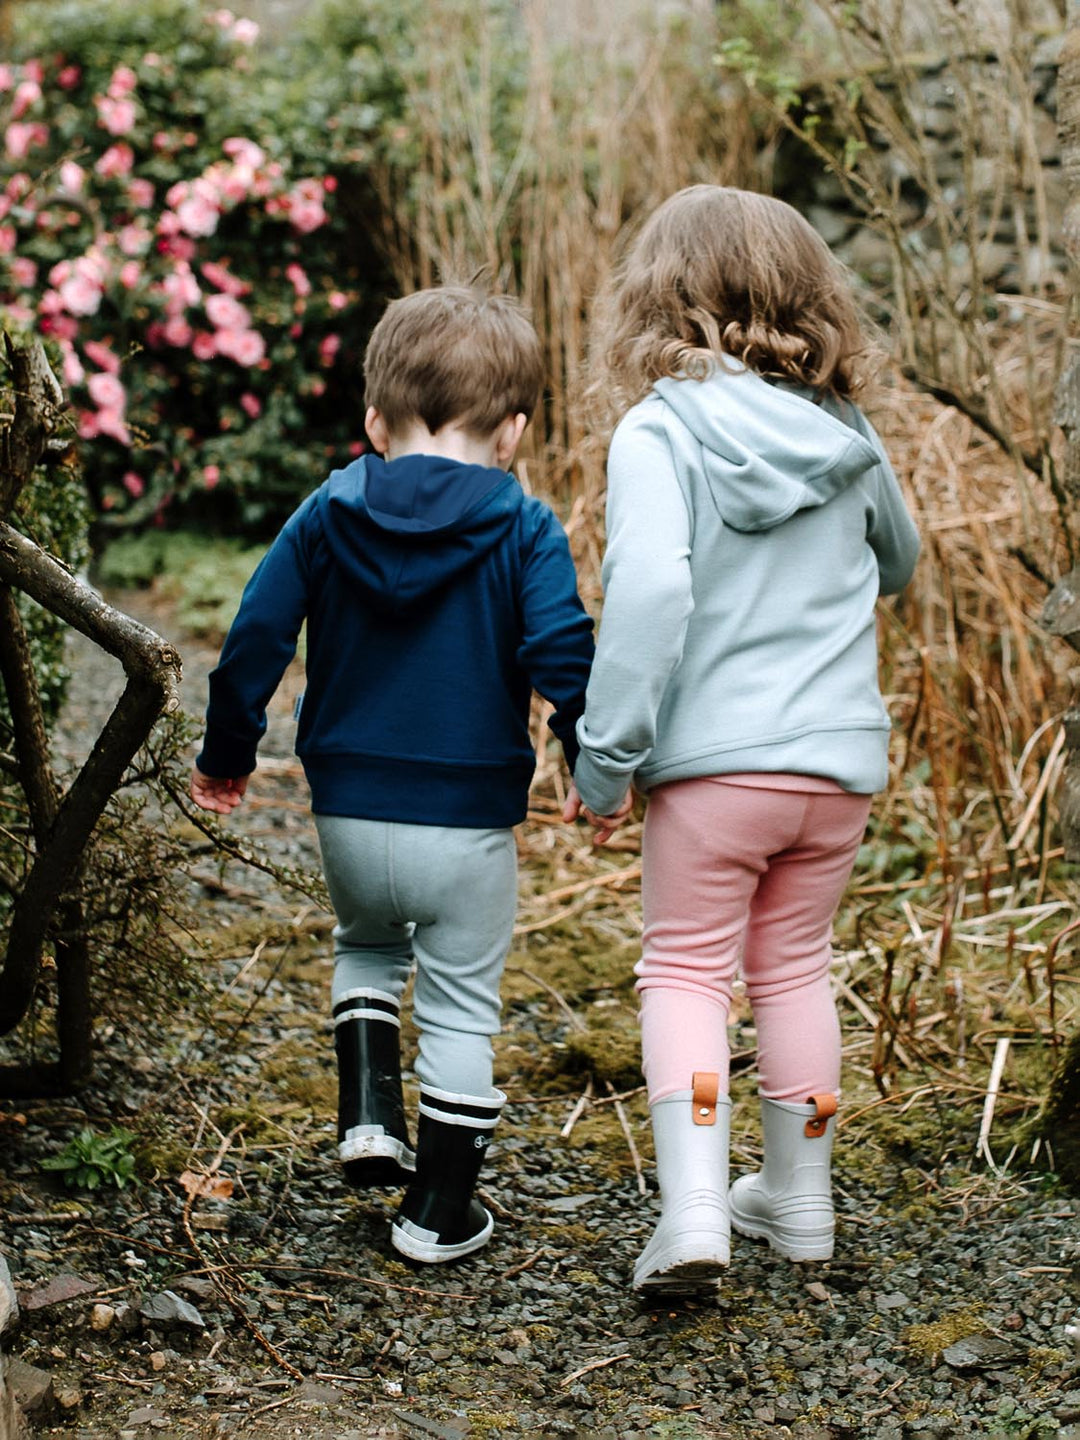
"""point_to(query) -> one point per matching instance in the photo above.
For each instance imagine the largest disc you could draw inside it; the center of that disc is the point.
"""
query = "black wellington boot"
(373, 1139)
(438, 1219)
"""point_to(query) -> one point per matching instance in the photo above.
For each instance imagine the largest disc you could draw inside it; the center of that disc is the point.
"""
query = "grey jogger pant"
(444, 897)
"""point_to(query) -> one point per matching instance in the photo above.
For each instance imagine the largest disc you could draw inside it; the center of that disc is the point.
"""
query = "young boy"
(437, 597)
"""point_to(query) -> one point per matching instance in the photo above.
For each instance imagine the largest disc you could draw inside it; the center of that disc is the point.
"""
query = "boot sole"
(684, 1277)
(430, 1252)
(377, 1160)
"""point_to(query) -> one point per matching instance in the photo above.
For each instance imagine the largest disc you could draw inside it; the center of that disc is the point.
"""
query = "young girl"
(752, 522)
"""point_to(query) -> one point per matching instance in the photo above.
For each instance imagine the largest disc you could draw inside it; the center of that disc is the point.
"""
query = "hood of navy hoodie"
(403, 529)
(766, 449)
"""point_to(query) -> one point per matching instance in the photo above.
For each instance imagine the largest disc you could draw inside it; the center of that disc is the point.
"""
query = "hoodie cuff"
(601, 790)
(225, 758)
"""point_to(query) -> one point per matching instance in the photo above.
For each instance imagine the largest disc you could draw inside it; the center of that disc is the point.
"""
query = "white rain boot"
(789, 1201)
(691, 1245)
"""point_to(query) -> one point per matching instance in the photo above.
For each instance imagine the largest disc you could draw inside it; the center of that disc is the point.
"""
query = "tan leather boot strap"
(706, 1089)
(825, 1109)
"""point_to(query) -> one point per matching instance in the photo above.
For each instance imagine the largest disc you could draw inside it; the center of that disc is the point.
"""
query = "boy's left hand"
(604, 826)
(219, 795)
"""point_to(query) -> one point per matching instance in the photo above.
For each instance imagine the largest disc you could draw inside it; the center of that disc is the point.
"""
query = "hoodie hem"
(411, 792)
(856, 757)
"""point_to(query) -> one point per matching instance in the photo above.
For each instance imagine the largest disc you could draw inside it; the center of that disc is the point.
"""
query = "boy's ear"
(508, 438)
(377, 432)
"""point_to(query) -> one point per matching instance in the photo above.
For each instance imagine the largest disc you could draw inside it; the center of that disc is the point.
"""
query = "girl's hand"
(604, 826)
(220, 796)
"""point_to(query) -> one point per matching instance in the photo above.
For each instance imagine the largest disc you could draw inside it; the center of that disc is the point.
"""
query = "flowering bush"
(168, 217)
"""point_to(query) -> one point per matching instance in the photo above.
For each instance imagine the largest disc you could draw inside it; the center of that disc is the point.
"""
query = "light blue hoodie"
(750, 531)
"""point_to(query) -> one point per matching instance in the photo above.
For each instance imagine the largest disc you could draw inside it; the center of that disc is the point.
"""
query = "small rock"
(101, 1317)
(68, 1398)
(981, 1352)
(157, 1360)
(61, 1287)
(817, 1291)
(567, 1204)
(9, 1305)
(895, 1300)
(167, 1308)
(33, 1387)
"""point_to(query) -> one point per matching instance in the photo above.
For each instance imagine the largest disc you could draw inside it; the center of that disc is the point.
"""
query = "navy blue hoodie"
(437, 596)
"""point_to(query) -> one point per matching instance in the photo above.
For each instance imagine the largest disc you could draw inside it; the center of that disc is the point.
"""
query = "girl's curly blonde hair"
(717, 272)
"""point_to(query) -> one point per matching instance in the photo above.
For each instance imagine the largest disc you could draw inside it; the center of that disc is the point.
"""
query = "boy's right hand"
(219, 795)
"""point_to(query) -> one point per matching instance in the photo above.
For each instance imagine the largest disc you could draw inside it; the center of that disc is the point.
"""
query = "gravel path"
(274, 1306)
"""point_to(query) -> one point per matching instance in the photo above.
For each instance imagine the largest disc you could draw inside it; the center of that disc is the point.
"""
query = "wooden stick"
(1001, 1051)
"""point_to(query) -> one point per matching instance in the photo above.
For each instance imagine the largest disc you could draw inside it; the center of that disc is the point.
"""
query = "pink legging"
(734, 870)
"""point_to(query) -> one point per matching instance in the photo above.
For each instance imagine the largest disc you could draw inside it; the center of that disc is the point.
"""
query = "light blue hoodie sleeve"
(648, 601)
(891, 532)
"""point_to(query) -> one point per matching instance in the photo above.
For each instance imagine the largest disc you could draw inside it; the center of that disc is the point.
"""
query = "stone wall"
(997, 171)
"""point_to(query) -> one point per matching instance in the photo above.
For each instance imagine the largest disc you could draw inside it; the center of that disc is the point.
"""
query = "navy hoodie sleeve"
(557, 636)
(260, 643)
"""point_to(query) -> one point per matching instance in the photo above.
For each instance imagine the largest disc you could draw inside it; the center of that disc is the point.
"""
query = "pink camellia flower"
(356, 447)
(299, 280)
(329, 346)
(5, 205)
(122, 83)
(246, 347)
(116, 161)
(223, 279)
(117, 116)
(81, 296)
(211, 475)
(245, 32)
(198, 215)
(69, 77)
(8, 238)
(337, 300)
(104, 422)
(73, 372)
(27, 93)
(181, 290)
(130, 274)
(162, 140)
(18, 186)
(244, 152)
(317, 387)
(152, 60)
(64, 327)
(34, 70)
(7, 77)
(141, 193)
(104, 358)
(203, 346)
(134, 239)
(305, 206)
(107, 391)
(24, 272)
(72, 177)
(251, 405)
(21, 137)
(223, 19)
(176, 331)
(133, 484)
(226, 312)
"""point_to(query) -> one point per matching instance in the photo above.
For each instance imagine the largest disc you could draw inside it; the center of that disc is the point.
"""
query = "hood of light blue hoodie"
(403, 529)
(767, 450)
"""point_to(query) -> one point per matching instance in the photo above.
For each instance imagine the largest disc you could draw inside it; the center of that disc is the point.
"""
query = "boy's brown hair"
(453, 353)
(716, 272)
